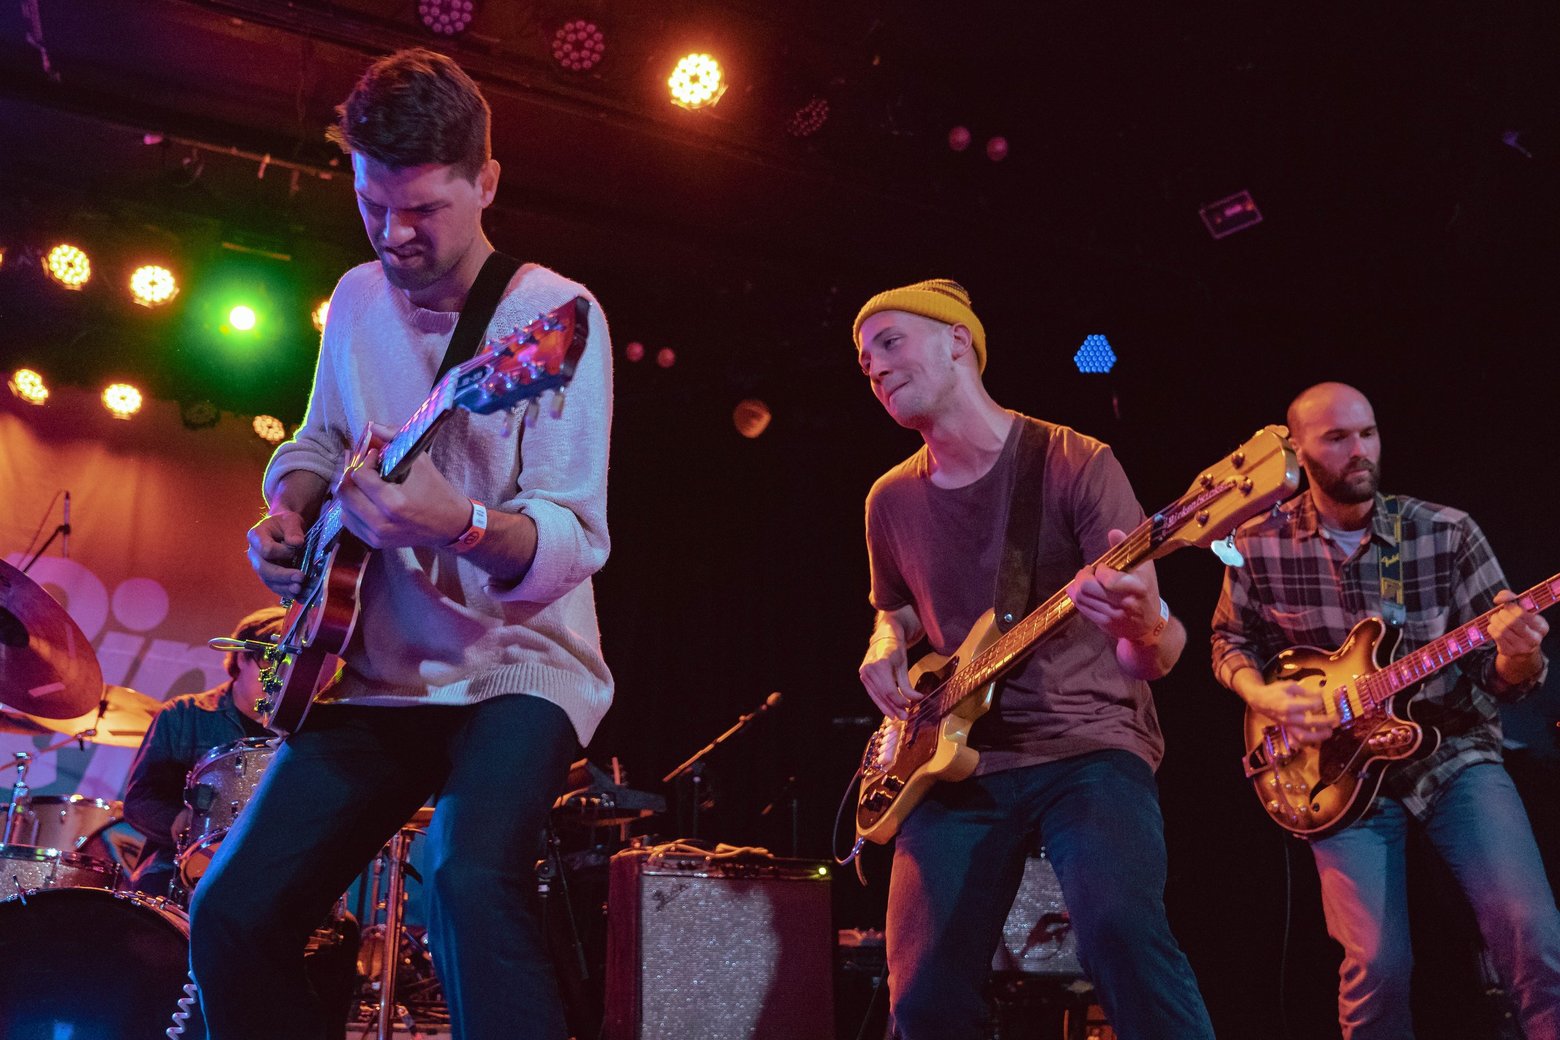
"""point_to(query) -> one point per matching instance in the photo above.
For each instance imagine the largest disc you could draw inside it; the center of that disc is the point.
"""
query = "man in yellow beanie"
(1067, 754)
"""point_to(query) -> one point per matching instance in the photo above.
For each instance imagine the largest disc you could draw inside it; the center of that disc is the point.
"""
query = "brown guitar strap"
(1015, 577)
(481, 302)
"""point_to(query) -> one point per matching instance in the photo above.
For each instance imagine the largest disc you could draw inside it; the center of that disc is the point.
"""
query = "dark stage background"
(1405, 158)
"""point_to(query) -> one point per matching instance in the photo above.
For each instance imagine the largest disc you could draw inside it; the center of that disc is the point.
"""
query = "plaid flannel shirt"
(1297, 588)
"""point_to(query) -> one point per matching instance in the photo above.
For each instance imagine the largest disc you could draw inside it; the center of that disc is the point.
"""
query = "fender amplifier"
(702, 946)
(1037, 938)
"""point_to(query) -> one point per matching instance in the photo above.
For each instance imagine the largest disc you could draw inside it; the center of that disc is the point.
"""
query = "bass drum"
(85, 962)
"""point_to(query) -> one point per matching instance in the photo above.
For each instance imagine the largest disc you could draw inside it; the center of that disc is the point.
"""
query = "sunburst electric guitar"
(514, 369)
(1315, 790)
(905, 757)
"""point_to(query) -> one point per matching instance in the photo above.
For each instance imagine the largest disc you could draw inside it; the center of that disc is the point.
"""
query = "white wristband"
(475, 532)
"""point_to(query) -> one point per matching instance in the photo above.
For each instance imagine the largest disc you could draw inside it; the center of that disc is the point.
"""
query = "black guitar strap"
(1391, 567)
(1015, 576)
(481, 302)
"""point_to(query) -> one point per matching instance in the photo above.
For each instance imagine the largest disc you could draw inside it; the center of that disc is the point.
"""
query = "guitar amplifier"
(705, 947)
(1037, 938)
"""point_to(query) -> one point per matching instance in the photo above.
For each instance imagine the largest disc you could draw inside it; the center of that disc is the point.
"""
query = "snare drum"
(63, 822)
(90, 963)
(219, 787)
(25, 869)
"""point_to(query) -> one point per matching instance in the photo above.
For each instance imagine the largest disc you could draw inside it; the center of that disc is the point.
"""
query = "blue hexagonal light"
(1095, 356)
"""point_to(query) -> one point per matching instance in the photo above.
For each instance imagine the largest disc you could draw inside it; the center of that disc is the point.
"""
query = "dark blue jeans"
(957, 867)
(334, 794)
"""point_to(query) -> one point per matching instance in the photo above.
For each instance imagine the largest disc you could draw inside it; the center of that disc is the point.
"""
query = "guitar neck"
(395, 458)
(1381, 686)
(995, 661)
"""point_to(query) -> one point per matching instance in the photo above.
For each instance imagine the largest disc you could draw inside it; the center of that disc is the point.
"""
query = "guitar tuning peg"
(531, 408)
(557, 404)
(508, 429)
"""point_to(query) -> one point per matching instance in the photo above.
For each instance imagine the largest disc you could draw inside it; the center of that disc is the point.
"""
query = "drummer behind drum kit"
(66, 861)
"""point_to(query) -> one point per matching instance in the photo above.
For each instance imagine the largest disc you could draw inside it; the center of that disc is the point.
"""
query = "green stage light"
(242, 318)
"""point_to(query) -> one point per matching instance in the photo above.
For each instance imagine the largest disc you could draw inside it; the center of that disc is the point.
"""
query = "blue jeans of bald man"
(1478, 826)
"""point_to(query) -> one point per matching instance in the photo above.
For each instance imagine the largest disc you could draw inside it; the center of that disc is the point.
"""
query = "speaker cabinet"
(701, 947)
(1037, 938)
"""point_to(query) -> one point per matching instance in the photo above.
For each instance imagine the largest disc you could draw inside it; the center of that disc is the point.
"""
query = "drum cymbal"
(47, 667)
(12, 722)
(120, 719)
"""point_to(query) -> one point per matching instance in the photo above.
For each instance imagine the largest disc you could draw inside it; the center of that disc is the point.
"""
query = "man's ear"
(963, 343)
(487, 182)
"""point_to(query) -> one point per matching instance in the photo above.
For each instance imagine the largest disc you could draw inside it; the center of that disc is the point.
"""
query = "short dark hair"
(264, 625)
(415, 107)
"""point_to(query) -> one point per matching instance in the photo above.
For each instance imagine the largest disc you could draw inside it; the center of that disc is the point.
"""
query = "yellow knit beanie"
(937, 298)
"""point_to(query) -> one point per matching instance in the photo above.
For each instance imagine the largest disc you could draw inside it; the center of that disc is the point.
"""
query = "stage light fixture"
(28, 386)
(751, 417)
(242, 318)
(696, 82)
(68, 266)
(446, 17)
(578, 45)
(320, 314)
(199, 415)
(808, 119)
(1095, 356)
(1229, 215)
(269, 429)
(122, 400)
(152, 285)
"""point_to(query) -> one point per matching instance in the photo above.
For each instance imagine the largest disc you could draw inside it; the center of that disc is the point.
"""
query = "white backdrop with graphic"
(156, 561)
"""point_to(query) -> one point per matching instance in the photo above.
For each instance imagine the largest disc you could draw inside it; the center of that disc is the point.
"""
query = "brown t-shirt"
(938, 549)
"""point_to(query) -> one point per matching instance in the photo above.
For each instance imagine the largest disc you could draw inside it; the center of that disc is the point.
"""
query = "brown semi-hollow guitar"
(516, 368)
(1315, 790)
(905, 757)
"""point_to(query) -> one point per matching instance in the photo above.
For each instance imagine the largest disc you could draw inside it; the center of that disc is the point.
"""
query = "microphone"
(65, 527)
(772, 701)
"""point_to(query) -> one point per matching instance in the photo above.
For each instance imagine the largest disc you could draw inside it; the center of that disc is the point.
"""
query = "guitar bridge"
(1274, 751)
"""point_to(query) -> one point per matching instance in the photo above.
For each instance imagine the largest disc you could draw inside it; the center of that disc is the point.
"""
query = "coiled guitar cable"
(183, 1013)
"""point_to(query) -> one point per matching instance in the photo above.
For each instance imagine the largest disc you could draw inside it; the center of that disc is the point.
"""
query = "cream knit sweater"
(435, 629)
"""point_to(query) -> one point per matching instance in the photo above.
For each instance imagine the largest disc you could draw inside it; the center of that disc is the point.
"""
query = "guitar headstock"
(1250, 480)
(526, 363)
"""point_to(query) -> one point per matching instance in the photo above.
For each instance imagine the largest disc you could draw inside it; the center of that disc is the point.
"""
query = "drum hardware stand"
(549, 869)
(21, 799)
(392, 865)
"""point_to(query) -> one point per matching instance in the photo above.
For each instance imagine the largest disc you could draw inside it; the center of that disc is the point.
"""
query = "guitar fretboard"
(1381, 686)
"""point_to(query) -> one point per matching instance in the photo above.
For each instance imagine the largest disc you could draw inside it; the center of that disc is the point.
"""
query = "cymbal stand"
(21, 799)
(397, 855)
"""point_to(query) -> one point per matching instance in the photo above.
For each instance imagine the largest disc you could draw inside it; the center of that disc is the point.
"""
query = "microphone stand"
(62, 528)
(693, 767)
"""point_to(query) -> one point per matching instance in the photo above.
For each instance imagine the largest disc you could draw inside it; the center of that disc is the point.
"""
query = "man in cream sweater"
(476, 667)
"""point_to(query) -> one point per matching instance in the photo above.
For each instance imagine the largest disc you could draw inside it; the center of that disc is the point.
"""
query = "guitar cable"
(854, 855)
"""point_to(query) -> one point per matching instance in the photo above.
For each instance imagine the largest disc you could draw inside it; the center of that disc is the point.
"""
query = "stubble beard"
(1343, 487)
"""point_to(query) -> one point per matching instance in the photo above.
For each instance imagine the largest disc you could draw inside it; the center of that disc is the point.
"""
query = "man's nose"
(398, 230)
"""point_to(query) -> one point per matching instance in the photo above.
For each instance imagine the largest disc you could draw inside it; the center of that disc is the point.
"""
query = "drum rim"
(232, 747)
(42, 853)
(111, 805)
(212, 840)
(164, 907)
